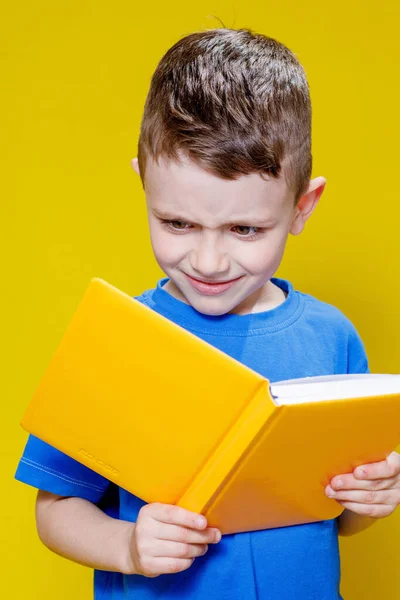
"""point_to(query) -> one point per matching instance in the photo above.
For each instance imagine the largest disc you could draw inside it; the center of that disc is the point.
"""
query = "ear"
(135, 165)
(306, 204)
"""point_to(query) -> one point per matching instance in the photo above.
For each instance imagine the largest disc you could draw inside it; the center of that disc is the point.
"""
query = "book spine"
(232, 450)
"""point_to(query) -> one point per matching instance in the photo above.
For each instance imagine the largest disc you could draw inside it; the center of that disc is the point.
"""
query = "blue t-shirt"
(301, 337)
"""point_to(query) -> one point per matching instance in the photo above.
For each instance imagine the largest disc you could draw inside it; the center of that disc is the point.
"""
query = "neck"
(267, 297)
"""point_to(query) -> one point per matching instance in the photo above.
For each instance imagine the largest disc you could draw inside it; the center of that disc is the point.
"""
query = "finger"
(178, 550)
(380, 470)
(175, 533)
(175, 515)
(375, 511)
(362, 496)
(171, 565)
(351, 483)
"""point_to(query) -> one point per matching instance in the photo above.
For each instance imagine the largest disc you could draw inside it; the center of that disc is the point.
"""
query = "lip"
(211, 288)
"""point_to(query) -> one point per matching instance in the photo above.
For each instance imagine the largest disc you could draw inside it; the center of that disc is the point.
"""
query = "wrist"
(127, 563)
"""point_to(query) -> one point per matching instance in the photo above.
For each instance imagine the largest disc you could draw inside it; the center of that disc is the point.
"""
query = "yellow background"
(74, 77)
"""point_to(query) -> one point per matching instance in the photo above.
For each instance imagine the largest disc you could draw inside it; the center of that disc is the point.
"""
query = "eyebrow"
(169, 216)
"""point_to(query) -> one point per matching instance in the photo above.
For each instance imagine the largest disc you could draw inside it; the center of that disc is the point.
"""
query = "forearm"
(78, 530)
(350, 523)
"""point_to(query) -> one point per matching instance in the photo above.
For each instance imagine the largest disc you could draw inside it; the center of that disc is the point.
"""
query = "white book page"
(333, 387)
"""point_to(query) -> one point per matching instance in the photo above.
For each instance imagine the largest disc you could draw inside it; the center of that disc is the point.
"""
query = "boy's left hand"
(371, 490)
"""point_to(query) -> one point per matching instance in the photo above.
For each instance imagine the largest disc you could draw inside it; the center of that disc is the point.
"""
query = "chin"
(212, 306)
(208, 309)
(213, 313)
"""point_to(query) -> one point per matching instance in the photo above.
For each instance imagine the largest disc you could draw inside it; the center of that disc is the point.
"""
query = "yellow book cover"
(172, 419)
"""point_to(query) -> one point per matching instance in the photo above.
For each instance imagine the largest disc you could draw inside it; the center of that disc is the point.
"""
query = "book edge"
(232, 450)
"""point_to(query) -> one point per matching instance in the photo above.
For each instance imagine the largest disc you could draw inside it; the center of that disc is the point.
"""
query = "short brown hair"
(234, 102)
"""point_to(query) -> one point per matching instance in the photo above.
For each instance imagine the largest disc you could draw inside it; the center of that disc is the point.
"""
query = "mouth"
(211, 288)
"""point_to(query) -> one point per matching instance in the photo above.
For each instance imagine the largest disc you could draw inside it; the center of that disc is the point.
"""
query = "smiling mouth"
(213, 282)
(211, 288)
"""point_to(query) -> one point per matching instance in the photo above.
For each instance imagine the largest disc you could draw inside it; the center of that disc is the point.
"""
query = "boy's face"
(221, 241)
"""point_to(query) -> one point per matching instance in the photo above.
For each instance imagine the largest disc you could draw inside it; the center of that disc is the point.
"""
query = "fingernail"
(218, 537)
(361, 473)
(338, 484)
(201, 523)
(330, 493)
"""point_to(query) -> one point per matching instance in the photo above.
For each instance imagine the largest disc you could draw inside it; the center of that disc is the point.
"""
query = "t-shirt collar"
(228, 324)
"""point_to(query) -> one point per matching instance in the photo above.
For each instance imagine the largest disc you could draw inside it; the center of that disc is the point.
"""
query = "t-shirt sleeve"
(357, 360)
(48, 469)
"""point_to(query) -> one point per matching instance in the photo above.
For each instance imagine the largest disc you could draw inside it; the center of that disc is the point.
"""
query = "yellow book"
(165, 415)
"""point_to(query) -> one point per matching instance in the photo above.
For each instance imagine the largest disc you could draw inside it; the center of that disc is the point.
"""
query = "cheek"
(166, 251)
(258, 258)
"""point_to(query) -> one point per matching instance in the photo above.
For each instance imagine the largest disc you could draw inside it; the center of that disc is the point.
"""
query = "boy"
(225, 161)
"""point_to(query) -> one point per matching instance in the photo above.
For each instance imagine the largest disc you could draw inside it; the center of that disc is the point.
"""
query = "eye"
(247, 231)
(243, 229)
(178, 224)
(175, 225)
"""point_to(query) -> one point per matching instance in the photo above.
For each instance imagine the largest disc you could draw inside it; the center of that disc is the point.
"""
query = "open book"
(172, 419)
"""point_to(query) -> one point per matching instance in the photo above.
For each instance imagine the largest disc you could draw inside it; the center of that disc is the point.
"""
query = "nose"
(208, 259)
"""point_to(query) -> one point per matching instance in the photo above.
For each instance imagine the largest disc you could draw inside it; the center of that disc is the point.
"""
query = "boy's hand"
(167, 538)
(372, 490)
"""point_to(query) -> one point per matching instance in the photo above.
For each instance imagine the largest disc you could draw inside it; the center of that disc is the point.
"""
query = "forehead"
(188, 190)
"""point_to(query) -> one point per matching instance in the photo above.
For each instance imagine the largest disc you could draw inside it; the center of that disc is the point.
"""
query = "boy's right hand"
(167, 539)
